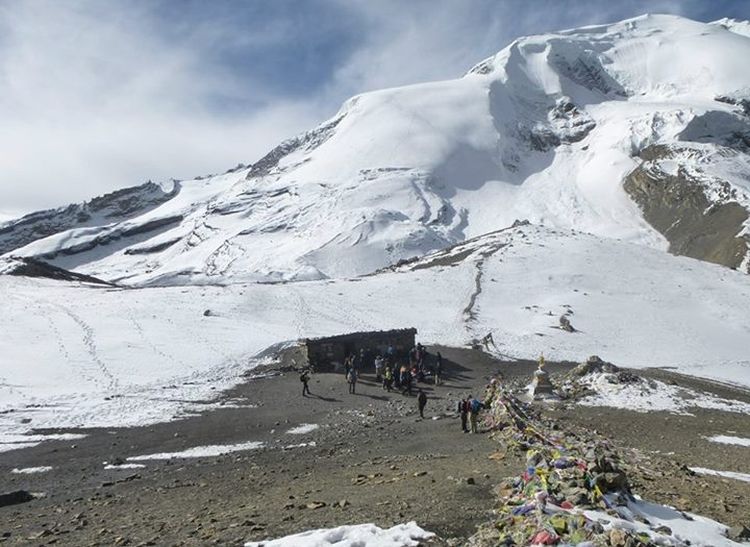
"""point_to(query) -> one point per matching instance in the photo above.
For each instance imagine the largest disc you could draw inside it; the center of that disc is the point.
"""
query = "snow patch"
(686, 528)
(200, 451)
(32, 470)
(649, 395)
(745, 477)
(360, 535)
(303, 429)
(311, 444)
(124, 466)
(14, 441)
(727, 439)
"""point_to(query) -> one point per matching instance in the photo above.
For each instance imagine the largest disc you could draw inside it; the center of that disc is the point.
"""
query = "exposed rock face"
(31, 267)
(109, 208)
(307, 141)
(676, 205)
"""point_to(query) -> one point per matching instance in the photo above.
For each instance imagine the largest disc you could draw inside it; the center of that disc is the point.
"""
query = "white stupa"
(541, 387)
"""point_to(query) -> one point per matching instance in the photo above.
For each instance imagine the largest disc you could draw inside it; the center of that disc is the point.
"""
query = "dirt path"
(373, 460)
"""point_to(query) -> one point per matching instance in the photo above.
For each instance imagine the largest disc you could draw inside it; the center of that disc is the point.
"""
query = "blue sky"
(96, 95)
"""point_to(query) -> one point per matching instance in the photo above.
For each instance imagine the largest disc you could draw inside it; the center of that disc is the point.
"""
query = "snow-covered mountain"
(616, 143)
(635, 131)
(92, 356)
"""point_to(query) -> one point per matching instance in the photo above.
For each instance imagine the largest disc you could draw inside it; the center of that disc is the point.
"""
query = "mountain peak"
(629, 131)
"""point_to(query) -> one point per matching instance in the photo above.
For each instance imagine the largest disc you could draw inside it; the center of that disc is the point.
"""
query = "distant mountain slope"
(79, 355)
(636, 131)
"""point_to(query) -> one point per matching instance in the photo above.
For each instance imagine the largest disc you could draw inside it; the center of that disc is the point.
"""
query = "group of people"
(469, 409)
(389, 374)
(403, 377)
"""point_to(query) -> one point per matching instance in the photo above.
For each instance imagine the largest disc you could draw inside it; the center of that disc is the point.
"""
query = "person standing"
(438, 369)
(378, 368)
(463, 410)
(421, 402)
(352, 379)
(388, 378)
(405, 380)
(474, 407)
(305, 378)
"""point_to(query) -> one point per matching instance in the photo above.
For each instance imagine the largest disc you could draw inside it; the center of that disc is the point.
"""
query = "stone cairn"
(572, 385)
(565, 475)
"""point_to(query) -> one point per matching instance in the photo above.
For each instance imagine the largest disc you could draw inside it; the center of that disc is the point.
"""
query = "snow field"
(79, 356)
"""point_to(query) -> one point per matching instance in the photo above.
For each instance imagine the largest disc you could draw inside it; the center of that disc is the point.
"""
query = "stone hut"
(329, 352)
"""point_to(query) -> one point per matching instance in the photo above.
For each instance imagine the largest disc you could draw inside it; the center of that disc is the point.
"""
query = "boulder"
(739, 533)
(618, 537)
(565, 324)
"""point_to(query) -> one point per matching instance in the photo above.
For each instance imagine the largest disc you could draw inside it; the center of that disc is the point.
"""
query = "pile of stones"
(566, 474)
(573, 385)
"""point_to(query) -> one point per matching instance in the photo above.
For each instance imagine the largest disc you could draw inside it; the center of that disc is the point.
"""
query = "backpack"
(475, 406)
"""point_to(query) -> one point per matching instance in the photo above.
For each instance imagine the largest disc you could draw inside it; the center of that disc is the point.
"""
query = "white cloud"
(93, 100)
(424, 40)
(96, 96)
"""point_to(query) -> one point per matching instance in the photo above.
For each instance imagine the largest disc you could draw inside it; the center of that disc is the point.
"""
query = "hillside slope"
(77, 355)
(548, 130)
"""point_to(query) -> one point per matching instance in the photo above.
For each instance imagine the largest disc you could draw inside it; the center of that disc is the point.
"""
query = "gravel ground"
(373, 460)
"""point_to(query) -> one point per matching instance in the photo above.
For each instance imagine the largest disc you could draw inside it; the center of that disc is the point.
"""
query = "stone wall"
(329, 352)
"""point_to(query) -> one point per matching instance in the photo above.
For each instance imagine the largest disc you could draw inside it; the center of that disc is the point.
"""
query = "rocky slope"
(548, 130)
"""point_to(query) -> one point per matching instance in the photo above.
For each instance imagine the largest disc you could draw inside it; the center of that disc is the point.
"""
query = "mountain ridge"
(550, 129)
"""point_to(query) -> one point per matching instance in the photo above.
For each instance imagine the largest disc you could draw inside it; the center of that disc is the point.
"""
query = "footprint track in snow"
(91, 348)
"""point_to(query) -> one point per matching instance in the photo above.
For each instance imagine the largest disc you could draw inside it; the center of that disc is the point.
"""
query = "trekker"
(378, 368)
(438, 369)
(388, 378)
(304, 378)
(463, 410)
(421, 354)
(352, 379)
(421, 401)
(405, 380)
(474, 407)
(348, 365)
